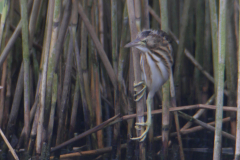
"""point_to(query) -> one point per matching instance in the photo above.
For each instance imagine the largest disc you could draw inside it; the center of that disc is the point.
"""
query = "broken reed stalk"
(9, 145)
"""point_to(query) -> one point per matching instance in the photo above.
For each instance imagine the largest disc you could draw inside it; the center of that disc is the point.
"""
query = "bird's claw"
(140, 93)
(144, 134)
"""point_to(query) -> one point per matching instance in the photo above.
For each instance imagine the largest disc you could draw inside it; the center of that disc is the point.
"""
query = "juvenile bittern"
(156, 61)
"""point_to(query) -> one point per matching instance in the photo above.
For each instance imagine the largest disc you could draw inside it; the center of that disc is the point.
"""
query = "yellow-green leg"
(147, 123)
(141, 92)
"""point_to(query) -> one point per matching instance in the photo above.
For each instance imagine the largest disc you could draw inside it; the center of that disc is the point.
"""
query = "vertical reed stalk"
(51, 65)
(86, 80)
(74, 21)
(32, 25)
(74, 112)
(45, 53)
(137, 73)
(165, 88)
(96, 78)
(62, 33)
(137, 9)
(4, 31)
(65, 91)
(52, 112)
(16, 103)
(33, 20)
(180, 51)
(2, 91)
(82, 90)
(4, 16)
(214, 34)
(220, 84)
(26, 66)
(145, 14)
(91, 61)
(173, 102)
(237, 145)
(114, 39)
(206, 51)
(199, 48)
(231, 63)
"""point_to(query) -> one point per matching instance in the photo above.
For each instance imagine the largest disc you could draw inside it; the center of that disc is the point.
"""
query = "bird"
(156, 62)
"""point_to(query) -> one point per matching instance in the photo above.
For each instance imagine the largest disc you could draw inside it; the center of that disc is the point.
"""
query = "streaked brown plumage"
(156, 61)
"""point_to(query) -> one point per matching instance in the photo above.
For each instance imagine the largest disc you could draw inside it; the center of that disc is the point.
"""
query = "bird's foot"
(140, 93)
(144, 134)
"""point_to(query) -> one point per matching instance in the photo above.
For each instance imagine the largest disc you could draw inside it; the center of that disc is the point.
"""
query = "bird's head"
(149, 39)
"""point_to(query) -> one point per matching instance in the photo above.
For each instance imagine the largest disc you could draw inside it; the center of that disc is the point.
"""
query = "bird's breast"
(154, 70)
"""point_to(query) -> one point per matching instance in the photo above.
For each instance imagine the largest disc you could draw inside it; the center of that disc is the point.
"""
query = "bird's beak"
(134, 43)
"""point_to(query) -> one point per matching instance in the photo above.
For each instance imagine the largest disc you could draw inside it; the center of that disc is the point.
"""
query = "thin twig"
(94, 129)
(205, 125)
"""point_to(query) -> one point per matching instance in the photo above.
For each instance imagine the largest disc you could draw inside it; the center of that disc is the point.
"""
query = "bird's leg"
(147, 123)
(141, 92)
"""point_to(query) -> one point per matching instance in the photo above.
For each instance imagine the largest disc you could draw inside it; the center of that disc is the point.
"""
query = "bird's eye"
(144, 41)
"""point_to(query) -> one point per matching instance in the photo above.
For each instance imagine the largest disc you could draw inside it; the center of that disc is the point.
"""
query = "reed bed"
(66, 89)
